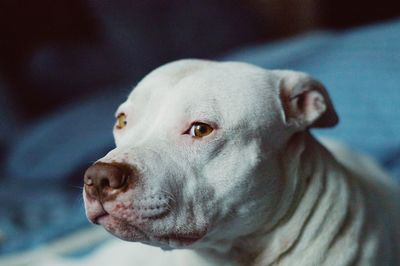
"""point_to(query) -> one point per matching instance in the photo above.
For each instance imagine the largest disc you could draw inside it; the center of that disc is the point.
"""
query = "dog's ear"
(305, 101)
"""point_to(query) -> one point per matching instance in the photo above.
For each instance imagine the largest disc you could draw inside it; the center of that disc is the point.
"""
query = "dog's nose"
(103, 180)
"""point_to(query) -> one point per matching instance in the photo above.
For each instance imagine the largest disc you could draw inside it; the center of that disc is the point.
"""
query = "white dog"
(215, 162)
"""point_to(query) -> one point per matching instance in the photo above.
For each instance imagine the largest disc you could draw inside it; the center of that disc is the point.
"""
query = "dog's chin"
(128, 232)
(121, 229)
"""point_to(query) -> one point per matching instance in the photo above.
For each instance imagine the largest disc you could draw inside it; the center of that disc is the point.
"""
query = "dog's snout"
(103, 180)
(105, 175)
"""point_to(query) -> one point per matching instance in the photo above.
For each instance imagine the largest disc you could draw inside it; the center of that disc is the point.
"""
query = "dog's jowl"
(215, 164)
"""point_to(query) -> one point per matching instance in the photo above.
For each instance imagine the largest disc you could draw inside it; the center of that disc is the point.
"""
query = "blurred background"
(66, 65)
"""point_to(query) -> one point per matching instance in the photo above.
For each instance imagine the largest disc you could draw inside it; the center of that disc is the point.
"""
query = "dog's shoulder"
(362, 165)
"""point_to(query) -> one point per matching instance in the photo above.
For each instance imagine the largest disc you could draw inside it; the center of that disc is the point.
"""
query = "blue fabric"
(40, 193)
(73, 136)
(361, 69)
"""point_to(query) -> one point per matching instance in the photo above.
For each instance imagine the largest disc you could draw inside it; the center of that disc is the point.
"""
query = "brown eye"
(200, 130)
(121, 121)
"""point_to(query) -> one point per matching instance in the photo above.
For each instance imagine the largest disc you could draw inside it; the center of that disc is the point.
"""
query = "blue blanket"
(40, 194)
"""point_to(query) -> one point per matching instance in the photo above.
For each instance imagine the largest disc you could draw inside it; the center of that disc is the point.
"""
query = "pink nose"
(104, 180)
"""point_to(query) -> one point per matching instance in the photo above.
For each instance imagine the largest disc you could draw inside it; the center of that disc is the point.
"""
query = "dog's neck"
(319, 203)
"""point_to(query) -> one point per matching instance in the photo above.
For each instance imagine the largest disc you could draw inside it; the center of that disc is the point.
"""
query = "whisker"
(169, 195)
(78, 187)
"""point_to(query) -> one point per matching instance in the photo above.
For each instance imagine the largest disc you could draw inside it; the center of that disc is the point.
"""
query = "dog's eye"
(200, 130)
(121, 121)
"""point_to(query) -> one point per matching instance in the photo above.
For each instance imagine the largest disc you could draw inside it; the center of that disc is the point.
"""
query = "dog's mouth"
(121, 228)
(127, 231)
(180, 239)
(98, 217)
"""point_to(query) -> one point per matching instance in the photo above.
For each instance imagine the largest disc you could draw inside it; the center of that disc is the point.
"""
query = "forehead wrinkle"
(202, 111)
(203, 99)
(158, 86)
(152, 122)
(147, 118)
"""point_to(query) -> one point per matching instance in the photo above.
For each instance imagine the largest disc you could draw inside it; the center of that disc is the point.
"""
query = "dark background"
(52, 52)
(65, 65)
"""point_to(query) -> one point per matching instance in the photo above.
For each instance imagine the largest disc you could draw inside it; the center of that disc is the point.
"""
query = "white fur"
(263, 191)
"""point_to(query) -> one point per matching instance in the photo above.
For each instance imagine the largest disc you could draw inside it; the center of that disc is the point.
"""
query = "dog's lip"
(185, 239)
(180, 239)
(96, 218)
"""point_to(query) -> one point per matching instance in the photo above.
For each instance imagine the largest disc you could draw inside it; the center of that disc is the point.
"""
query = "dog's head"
(198, 153)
